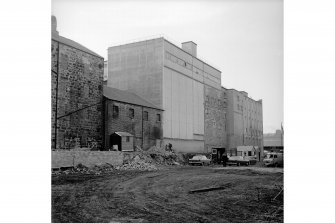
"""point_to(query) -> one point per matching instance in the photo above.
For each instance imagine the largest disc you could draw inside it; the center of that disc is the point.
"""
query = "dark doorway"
(115, 141)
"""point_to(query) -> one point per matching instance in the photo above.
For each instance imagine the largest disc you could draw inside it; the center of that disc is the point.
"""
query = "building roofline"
(189, 42)
(259, 101)
(138, 41)
(191, 54)
(149, 104)
(124, 102)
(85, 49)
(170, 43)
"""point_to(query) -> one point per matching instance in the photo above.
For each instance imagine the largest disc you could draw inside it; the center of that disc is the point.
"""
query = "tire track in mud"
(162, 196)
(165, 195)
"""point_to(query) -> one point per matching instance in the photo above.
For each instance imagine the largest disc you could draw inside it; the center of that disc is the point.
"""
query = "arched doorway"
(115, 142)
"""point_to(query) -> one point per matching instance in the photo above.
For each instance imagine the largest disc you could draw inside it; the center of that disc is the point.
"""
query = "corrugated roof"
(123, 134)
(127, 97)
(74, 44)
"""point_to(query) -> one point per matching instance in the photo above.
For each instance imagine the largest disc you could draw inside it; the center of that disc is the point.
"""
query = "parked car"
(273, 159)
(252, 159)
(199, 160)
(238, 161)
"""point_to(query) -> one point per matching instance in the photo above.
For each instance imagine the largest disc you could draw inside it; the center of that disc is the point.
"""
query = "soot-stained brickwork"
(77, 79)
(149, 127)
(215, 118)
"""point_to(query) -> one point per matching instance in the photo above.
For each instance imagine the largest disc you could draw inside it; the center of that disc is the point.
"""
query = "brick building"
(128, 112)
(77, 77)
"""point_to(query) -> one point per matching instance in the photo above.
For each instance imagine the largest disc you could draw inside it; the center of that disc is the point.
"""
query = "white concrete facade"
(172, 79)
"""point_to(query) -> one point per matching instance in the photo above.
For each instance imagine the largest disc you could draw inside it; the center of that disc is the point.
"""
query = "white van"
(273, 159)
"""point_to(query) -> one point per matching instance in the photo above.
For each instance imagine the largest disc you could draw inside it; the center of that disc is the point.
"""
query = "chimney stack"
(190, 47)
(54, 25)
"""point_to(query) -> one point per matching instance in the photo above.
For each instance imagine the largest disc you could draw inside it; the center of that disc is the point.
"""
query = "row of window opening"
(131, 114)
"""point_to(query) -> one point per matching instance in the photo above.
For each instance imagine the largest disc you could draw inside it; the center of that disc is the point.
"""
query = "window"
(115, 111)
(131, 113)
(127, 138)
(145, 116)
(158, 117)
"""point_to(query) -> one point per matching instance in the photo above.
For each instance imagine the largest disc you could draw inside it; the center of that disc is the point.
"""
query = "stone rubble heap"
(137, 164)
(140, 160)
(164, 157)
(97, 170)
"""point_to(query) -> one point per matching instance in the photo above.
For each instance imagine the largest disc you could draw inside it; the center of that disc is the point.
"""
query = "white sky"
(242, 38)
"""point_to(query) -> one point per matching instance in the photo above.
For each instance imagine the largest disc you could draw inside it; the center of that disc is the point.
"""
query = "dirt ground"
(163, 196)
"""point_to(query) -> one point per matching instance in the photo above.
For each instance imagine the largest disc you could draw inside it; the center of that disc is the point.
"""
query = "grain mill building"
(175, 79)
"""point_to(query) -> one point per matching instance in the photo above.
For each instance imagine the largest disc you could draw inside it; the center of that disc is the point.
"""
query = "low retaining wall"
(87, 158)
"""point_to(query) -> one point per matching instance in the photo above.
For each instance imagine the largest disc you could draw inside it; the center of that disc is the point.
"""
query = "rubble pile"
(164, 157)
(97, 170)
(141, 160)
(138, 163)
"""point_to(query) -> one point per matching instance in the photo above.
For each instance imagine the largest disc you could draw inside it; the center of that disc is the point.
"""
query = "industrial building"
(148, 93)
(245, 122)
(77, 76)
(176, 80)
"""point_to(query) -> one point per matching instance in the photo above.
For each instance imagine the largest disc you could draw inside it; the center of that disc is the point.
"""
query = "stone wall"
(80, 78)
(66, 158)
(54, 74)
(215, 118)
(152, 129)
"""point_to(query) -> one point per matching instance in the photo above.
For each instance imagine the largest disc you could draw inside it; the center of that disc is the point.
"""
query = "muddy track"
(163, 196)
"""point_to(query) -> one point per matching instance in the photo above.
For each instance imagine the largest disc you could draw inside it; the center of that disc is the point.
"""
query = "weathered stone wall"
(80, 78)
(65, 158)
(152, 129)
(54, 73)
(215, 118)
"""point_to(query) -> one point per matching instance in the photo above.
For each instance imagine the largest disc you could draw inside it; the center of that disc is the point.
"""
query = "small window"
(115, 111)
(145, 116)
(127, 138)
(275, 156)
(158, 117)
(131, 113)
